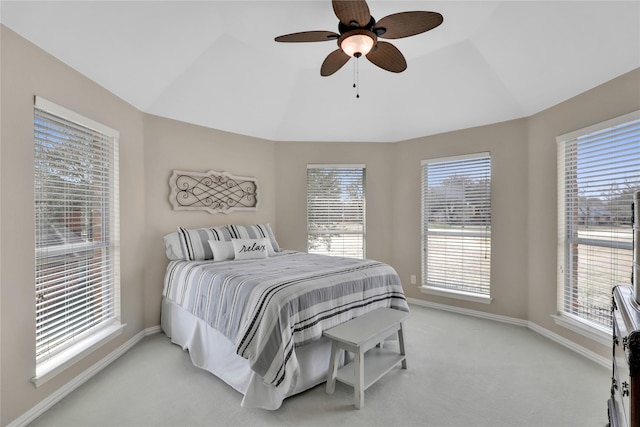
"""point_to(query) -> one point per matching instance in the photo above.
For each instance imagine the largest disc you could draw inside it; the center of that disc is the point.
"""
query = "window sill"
(450, 293)
(589, 330)
(61, 361)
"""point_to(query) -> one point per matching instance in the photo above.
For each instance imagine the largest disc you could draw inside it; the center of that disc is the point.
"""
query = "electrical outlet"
(413, 279)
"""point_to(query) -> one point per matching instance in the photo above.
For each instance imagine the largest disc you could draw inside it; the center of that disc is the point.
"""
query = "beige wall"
(524, 206)
(507, 143)
(612, 99)
(291, 189)
(150, 148)
(27, 71)
(523, 198)
(173, 145)
(393, 197)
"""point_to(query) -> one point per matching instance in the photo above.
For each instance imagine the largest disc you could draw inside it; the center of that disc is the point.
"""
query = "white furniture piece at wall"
(359, 336)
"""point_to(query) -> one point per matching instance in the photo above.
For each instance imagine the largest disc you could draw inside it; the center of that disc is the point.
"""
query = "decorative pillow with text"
(255, 231)
(250, 248)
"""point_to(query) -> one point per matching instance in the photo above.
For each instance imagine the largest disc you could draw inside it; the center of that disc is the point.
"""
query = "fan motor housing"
(343, 28)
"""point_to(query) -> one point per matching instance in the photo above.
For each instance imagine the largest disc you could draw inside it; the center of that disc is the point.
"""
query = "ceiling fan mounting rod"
(342, 28)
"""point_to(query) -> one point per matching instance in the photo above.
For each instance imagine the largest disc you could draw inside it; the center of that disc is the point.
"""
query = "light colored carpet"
(462, 371)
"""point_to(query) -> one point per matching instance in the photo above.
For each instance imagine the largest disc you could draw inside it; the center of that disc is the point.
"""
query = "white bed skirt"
(212, 351)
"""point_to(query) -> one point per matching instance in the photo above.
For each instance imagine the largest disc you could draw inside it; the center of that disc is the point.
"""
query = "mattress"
(212, 351)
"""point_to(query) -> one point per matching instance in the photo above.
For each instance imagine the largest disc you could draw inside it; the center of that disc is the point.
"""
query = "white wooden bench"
(358, 336)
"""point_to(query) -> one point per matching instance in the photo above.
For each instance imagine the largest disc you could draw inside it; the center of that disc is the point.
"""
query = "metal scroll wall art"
(214, 192)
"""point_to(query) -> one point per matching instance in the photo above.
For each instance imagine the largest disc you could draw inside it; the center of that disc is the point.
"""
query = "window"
(335, 210)
(598, 171)
(76, 220)
(456, 226)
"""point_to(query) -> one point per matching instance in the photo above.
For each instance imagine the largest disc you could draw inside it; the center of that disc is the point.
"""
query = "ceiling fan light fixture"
(358, 34)
(357, 43)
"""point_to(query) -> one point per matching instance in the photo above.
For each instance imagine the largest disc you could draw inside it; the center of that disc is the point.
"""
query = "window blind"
(336, 210)
(456, 219)
(76, 221)
(599, 171)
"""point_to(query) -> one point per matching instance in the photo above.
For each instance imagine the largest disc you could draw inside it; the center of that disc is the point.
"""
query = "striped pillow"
(256, 231)
(194, 242)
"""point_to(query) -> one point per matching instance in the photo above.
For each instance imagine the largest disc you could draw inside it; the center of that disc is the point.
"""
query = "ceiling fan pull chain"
(355, 60)
(356, 84)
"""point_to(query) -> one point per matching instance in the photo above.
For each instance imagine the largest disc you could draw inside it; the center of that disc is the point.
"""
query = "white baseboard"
(595, 357)
(62, 392)
(468, 312)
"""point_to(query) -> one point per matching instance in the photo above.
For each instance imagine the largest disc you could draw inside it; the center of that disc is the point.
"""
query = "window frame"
(84, 342)
(362, 213)
(449, 291)
(574, 322)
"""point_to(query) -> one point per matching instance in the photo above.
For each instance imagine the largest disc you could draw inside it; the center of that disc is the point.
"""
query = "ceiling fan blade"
(405, 24)
(388, 57)
(308, 36)
(352, 13)
(333, 62)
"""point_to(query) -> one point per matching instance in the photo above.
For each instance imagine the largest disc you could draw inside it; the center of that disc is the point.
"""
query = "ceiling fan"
(359, 32)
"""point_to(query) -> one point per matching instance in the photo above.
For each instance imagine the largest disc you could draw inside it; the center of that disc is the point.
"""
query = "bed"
(255, 318)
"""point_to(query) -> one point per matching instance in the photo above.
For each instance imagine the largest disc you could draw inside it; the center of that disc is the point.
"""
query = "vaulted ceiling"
(215, 63)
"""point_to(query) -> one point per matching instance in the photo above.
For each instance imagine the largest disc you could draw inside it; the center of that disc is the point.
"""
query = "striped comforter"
(267, 307)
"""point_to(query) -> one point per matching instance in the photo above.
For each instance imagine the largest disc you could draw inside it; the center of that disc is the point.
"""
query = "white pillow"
(250, 248)
(172, 246)
(222, 250)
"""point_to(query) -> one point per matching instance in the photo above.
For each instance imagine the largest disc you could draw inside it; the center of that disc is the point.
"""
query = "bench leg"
(333, 368)
(359, 379)
(401, 343)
